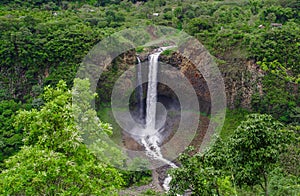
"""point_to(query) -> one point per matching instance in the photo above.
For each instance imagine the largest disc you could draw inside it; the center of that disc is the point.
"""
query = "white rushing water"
(152, 91)
(152, 88)
(140, 89)
(151, 141)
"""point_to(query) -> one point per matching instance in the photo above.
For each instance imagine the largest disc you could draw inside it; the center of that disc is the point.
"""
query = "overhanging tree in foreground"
(54, 160)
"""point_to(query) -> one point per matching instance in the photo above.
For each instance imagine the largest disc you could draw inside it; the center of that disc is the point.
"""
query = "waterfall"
(140, 89)
(153, 149)
(152, 91)
(151, 141)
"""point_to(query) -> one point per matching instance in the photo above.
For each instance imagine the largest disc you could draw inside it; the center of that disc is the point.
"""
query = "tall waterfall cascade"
(140, 89)
(151, 141)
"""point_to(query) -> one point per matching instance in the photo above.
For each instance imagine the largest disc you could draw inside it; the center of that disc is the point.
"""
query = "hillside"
(255, 45)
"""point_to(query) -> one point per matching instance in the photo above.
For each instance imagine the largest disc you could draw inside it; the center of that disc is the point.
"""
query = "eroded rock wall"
(242, 78)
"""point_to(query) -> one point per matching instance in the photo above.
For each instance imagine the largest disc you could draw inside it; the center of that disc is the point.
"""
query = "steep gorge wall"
(242, 78)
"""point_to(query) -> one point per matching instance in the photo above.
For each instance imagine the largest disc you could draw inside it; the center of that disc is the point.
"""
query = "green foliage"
(94, 132)
(10, 138)
(39, 48)
(106, 83)
(139, 49)
(196, 25)
(43, 41)
(138, 178)
(232, 121)
(268, 47)
(283, 70)
(255, 148)
(278, 14)
(290, 159)
(278, 106)
(282, 183)
(168, 52)
(227, 14)
(36, 171)
(114, 18)
(203, 173)
(105, 115)
(250, 158)
(150, 192)
(295, 115)
(255, 5)
(54, 160)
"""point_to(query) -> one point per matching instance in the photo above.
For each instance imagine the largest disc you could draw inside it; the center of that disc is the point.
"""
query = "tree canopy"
(54, 159)
(248, 158)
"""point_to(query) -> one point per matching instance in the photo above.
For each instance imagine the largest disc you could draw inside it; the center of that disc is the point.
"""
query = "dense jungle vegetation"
(42, 43)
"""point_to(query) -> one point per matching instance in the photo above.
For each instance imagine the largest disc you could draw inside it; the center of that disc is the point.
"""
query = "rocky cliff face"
(110, 75)
(241, 77)
(193, 75)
